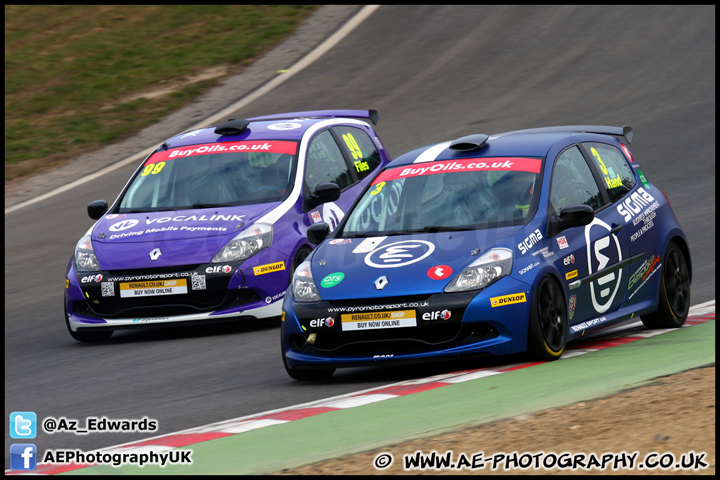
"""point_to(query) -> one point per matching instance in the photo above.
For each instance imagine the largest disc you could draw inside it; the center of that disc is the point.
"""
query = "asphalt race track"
(434, 73)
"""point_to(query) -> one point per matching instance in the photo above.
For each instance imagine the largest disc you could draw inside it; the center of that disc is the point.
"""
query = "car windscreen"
(212, 175)
(466, 194)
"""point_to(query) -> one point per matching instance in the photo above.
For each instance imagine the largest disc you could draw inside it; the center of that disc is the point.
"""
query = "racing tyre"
(308, 374)
(548, 322)
(674, 301)
(86, 336)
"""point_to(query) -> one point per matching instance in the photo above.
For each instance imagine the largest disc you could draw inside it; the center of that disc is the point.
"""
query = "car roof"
(535, 142)
(283, 126)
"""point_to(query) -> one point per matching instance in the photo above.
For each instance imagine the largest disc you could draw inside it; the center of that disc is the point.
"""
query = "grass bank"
(79, 77)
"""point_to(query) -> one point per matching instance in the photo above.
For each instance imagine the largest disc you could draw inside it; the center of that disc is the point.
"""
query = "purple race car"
(213, 223)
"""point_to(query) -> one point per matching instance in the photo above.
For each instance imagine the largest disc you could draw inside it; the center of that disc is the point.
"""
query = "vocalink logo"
(23, 425)
(23, 456)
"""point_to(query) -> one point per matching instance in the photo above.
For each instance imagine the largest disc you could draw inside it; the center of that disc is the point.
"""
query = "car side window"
(617, 175)
(325, 163)
(360, 149)
(573, 182)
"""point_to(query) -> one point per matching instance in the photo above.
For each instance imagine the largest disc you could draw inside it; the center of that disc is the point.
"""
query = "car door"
(629, 210)
(591, 257)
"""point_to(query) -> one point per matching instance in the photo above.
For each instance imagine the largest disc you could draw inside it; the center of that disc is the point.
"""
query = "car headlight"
(303, 285)
(489, 268)
(85, 259)
(246, 244)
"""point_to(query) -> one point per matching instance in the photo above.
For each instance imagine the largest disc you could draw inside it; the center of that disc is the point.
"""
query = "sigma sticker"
(269, 268)
(562, 242)
(332, 280)
(571, 305)
(508, 299)
(632, 206)
(530, 241)
(399, 254)
(439, 272)
(599, 254)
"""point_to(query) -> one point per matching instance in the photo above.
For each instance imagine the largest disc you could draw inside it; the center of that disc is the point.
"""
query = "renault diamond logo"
(155, 254)
(381, 282)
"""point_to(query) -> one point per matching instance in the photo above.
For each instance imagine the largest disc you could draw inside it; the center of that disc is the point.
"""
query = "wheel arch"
(682, 244)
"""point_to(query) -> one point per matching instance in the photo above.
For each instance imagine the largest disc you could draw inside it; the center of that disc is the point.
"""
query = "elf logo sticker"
(603, 253)
(439, 272)
(508, 299)
(399, 254)
(332, 279)
(322, 322)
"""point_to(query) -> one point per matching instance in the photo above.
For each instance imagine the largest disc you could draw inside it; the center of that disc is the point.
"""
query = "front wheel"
(548, 322)
(674, 295)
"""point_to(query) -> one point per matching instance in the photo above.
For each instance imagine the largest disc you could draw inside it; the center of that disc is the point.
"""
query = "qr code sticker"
(108, 289)
(198, 282)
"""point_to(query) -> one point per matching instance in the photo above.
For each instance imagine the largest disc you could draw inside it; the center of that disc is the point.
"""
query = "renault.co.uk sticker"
(153, 287)
(376, 320)
(332, 279)
(399, 254)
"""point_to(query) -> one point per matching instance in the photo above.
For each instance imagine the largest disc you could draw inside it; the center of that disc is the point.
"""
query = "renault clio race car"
(212, 224)
(489, 245)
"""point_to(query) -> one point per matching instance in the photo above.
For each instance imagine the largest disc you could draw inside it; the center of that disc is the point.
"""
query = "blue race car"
(213, 222)
(489, 245)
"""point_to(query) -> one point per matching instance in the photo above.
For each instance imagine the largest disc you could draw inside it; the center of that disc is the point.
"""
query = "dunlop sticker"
(508, 299)
(269, 268)
(570, 275)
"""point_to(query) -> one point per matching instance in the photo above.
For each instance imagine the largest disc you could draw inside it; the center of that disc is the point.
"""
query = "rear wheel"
(86, 336)
(674, 301)
(548, 322)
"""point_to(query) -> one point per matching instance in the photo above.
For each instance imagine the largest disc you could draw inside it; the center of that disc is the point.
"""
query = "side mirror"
(324, 192)
(318, 232)
(97, 209)
(575, 216)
